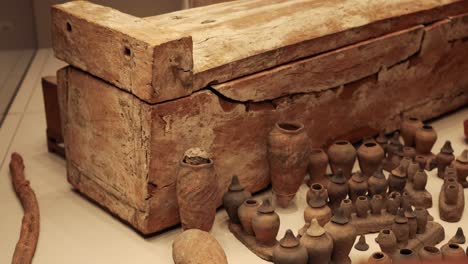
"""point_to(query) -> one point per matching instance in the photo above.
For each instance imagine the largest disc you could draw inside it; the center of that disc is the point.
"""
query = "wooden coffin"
(141, 91)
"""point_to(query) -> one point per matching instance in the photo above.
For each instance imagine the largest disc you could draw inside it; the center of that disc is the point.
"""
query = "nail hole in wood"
(69, 27)
(127, 51)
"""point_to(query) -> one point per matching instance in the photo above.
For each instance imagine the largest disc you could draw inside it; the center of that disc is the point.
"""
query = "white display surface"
(75, 230)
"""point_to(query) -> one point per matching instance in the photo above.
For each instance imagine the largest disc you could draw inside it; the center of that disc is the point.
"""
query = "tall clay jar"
(197, 190)
(337, 189)
(421, 219)
(401, 228)
(393, 203)
(343, 234)
(461, 166)
(379, 258)
(420, 179)
(377, 204)
(444, 158)
(318, 163)
(370, 156)
(430, 253)
(246, 212)
(408, 128)
(357, 186)
(234, 198)
(288, 157)
(362, 206)
(342, 155)
(348, 207)
(397, 179)
(318, 243)
(425, 139)
(317, 205)
(266, 224)
(452, 252)
(377, 183)
(387, 241)
(289, 251)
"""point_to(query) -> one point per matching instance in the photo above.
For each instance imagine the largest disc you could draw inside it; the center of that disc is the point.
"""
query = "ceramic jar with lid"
(266, 224)
(290, 251)
(234, 198)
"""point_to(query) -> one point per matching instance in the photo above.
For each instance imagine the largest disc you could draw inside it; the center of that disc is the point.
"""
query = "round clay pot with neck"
(387, 241)
(379, 258)
(343, 234)
(430, 253)
(393, 203)
(397, 179)
(377, 204)
(234, 198)
(348, 207)
(357, 186)
(453, 252)
(266, 224)
(461, 166)
(408, 128)
(318, 243)
(370, 156)
(342, 155)
(290, 251)
(444, 158)
(317, 205)
(362, 206)
(377, 183)
(288, 158)
(337, 189)
(401, 228)
(246, 212)
(425, 139)
(318, 163)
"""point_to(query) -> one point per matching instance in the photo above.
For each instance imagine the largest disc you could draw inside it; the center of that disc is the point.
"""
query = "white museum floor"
(74, 230)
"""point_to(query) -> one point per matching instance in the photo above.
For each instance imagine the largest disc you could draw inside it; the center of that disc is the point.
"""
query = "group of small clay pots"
(448, 252)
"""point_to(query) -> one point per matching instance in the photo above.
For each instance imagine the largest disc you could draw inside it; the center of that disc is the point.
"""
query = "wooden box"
(141, 91)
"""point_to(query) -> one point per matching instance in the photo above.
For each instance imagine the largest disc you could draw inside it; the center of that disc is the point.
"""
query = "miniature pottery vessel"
(459, 237)
(405, 255)
(450, 169)
(393, 202)
(317, 191)
(362, 206)
(197, 246)
(452, 252)
(451, 193)
(377, 183)
(409, 152)
(318, 163)
(246, 212)
(421, 219)
(387, 241)
(348, 207)
(425, 139)
(377, 204)
(379, 258)
(361, 245)
(289, 251)
(318, 243)
(413, 167)
(317, 205)
(197, 190)
(337, 189)
(397, 179)
(444, 158)
(357, 186)
(420, 179)
(288, 157)
(430, 253)
(394, 145)
(401, 228)
(412, 222)
(408, 128)
(342, 155)
(370, 156)
(266, 224)
(395, 160)
(234, 198)
(343, 235)
(382, 140)
(461, 165)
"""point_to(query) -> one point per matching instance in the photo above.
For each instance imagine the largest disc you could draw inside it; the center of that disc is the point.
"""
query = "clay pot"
(452, 252)
(425, 139)
(393, 202)
(246, 212)
(395, 160)
(405, 255)
(377, 183)
(342, 155)
(412, 222)
(197, 246)
(319, 244)
(394, 145)
(413, 167)
(370, 156)
(357, 186)
(377, 204)
(421, 219)
(318, 193)
(397, 179)
(409, 152)
(408, 128)
(289, 251)
(197, 190)
(387, 241)
(451, 193)
(382, 140)
(348, 207)
(444, 158)
(430, 253)
(266, 224)
(318, 163)
(317, 205)
(288, 157)
(337, 189)
(362, 206)
(343, 235)
(379, 258)
(234, 198)
(461, 165)
(401, 228)
(420, 179)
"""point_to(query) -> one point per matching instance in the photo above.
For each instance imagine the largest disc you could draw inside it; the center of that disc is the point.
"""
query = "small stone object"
(197, 246)
(290, 251)
(459, 237)
(361, 245)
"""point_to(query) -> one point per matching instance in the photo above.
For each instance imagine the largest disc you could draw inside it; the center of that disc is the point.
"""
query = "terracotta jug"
(444, 158)
(342, 155)
(288, 157)
(412, 222)
(461, 166)
(343, 235)
(246, 212)
(387, 241)
(405, 255)
(453, 252)
(382, 140)
(318, 243)
(197, 246)
(266, 224)
(318, 163)
(413, 167)
(409, 152)
(397, 179)
(408, 128)
(357, 186)
(401, 228)
(337, 189)
(421, 219)
(234, 198)
(370, 156)
(197, 190)
(377, 204)
(377, 183)
(393, 202)
(317, 205)
(430, 253)
(420, 179)
(289, 251)
(425, 139)
(362, 206)
(379, 258)
(348, 207)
